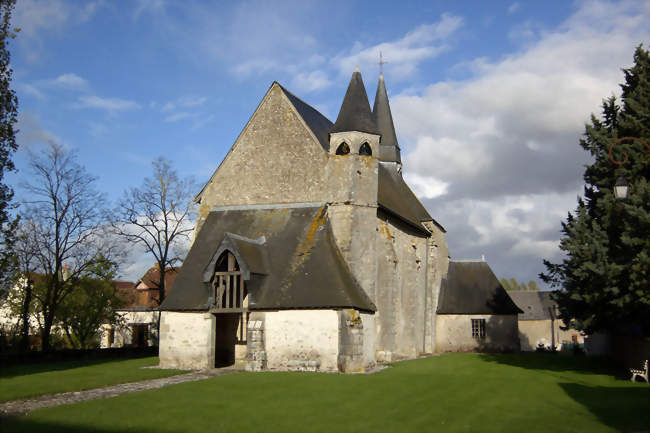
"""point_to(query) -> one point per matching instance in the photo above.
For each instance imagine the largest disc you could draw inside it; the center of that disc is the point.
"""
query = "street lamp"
(621, 188)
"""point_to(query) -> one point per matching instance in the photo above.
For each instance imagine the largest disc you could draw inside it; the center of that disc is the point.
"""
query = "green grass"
(30, 380)
(449, 393)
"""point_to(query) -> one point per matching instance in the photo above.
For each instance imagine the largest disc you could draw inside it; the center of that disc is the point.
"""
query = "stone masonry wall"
(454, 333)
(437, 267)
(187, 340)
(301, 340)
(276, 159)
(401, 291)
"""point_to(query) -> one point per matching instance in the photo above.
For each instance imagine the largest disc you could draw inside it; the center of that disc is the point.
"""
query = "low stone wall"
(535, 332)
(454, 333)
(187, 340)
(301, 340)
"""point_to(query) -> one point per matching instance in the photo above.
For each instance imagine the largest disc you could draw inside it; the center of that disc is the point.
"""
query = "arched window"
(365, 149)
(228, 284)
(343, 149)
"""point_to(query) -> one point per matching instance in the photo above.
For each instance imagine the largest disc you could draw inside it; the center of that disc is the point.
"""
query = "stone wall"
(535, 332)
(302, 340)
(437, 267)
(454, 333)
(187, 340)
(276, 137)
(401, 291)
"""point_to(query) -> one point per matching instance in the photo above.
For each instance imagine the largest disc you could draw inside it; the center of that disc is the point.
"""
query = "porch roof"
(298, 265)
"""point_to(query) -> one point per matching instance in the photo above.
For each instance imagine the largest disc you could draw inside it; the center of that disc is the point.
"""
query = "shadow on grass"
(43, 367)
(26, 425)
(623, 408)
(558, 362)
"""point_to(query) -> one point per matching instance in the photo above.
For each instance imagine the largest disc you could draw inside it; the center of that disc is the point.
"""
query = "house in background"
(137, 321)
(474, 311)
(539, 326)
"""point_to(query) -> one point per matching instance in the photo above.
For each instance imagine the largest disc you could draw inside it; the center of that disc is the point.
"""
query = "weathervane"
(381, 63)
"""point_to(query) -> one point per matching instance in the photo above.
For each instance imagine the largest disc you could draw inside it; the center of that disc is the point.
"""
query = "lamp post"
(621, 187)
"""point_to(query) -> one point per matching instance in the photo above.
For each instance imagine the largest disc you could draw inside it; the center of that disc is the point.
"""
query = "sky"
(489, 99)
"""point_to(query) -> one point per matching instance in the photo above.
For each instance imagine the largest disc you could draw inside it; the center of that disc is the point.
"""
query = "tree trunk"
(24, 342)
(46, 332)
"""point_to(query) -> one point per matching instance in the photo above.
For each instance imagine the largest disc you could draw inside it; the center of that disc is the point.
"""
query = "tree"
(156, 217)
(8, 119)
(65, 215)
(605, 276)
(512, 284)
(25, 252)
(92, 302)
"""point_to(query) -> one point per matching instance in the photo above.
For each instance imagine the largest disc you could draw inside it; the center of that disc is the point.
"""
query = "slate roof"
(355, 114)
(394, 195)
(288, 252)
(535, 305)
(388, 148)
(472, 288)
(319, 124)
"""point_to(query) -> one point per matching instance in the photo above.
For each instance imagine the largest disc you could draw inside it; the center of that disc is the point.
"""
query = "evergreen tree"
(8, 118)
(605, 277)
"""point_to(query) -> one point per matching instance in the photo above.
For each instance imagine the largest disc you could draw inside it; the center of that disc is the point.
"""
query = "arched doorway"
(230, 309)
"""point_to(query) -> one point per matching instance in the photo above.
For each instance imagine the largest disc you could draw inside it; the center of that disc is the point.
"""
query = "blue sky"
(489, 98)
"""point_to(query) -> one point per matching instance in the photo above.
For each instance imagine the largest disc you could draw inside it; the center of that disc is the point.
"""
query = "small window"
(365, 149)
(478, 328)
(343, 149)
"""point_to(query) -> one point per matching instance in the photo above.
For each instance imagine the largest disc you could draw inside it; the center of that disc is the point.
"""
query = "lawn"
(30, 380)
(448, 393)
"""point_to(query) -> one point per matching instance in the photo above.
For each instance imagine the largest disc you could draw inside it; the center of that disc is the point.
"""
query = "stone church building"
(310, 251)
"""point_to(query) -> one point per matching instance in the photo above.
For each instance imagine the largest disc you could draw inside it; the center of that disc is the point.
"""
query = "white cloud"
(192, 101)
(310, 81)
(31, 90)
(110, 105)
(504, 142)
(426, 186)
(68, 81)
(405, 54)
(178, 116)
(35, 18)
(31, 132)
(513, 8)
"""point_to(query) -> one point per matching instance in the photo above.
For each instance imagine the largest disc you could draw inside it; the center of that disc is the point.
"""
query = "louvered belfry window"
(228, 284)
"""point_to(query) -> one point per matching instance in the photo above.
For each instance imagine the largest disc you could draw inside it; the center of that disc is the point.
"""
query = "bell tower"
(352, 172)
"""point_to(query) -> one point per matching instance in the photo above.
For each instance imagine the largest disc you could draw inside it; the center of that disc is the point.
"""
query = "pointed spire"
(389, 148)
(355, 114)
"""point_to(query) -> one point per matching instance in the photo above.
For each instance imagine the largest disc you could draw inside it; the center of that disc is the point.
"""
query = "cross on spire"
(381, 63)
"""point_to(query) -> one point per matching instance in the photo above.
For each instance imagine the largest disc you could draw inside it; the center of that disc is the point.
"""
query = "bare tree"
(157, 217)
(25, 250)
(69, 239)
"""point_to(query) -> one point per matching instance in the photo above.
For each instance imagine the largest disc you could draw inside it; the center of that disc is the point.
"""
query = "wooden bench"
(641, 373)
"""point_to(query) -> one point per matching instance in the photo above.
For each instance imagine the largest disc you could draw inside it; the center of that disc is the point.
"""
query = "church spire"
(388, 148)
(355, 114)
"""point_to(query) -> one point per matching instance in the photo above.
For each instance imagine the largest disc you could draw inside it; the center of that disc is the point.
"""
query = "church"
(310, 251)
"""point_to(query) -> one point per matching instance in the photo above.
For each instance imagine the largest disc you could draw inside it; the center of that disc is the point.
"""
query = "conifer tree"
(8, 119)
(604, 279)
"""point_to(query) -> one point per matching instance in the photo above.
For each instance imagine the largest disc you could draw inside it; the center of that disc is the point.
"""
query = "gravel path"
(21, 407)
